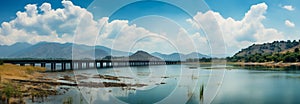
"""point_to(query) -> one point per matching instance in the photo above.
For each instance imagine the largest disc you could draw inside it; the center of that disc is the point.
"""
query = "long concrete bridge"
(62, 65)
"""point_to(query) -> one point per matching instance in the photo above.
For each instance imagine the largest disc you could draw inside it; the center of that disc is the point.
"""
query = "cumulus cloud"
(44, 23)
(288, 23)
(288, 7)
(50, 25)
(240, 33)
(75, 24)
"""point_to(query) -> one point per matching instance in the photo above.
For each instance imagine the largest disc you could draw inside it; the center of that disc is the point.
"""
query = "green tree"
(290, 57)
(296, 50)
(1, 62)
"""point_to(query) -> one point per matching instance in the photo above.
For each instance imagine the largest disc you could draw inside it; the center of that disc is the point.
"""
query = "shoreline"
(19, 84)
(267, 64)
(264, 64)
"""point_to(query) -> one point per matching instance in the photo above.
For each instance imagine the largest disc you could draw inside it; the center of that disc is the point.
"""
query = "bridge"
(63, 65)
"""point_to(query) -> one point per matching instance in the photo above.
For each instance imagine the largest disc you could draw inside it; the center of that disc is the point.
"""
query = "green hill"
(269, 48)
(277, 51)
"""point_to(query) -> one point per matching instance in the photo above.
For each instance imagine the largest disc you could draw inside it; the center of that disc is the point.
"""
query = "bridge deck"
(87, 64)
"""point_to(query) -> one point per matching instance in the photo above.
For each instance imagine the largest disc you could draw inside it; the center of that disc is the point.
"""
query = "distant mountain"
(46, 50)
(179, 56)
(6, 50)
(269, 48)
(57, 50)
(138, 56)
(144, 56)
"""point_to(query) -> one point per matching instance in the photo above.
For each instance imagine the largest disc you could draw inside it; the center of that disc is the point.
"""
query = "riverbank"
(267, 64)
(13, 91)
(22, 83)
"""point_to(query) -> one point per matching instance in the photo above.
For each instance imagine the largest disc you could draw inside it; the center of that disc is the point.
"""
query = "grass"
(10, 71)
(201, 92)
(11, 91)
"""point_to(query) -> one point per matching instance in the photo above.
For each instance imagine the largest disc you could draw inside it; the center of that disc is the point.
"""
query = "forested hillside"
(277, 51)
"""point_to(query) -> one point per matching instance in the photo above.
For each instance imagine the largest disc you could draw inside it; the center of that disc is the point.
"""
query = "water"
(182, 84)
(251, 86)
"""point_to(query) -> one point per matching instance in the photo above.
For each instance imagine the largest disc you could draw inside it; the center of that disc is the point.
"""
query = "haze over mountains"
(50, 50)
(179, 56)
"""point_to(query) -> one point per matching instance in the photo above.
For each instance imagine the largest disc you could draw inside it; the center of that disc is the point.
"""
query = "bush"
(296, 50)
(1, 62)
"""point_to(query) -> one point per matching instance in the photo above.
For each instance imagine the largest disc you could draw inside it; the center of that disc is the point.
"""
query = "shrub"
(1, 62)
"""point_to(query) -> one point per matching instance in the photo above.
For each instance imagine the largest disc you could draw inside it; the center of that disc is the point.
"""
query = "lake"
(183, 84)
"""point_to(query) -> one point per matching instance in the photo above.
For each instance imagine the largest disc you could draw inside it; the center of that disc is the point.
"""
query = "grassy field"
(10, 71)
(13, 92)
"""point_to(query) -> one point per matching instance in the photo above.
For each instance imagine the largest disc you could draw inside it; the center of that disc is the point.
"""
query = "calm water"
(182, 84)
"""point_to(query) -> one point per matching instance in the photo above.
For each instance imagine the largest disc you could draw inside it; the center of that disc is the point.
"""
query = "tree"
(290, 57)
(298, 57)
(296, 50)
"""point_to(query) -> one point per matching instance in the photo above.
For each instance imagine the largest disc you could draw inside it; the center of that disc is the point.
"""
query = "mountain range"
(51, 50)
(179, 56)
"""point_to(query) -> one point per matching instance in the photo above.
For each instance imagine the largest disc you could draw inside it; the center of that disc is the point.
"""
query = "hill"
(269, 48)
(138, 56)
(283, 51)
(143, 56)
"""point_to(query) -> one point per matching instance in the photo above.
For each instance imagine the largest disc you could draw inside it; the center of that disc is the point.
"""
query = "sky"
(212, 27)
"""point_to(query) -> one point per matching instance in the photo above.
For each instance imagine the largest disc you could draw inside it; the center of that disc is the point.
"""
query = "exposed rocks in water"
(108, 77)
(163, 83)
(67, 78)
(165, 77)
(81, 77)
(108, 84)
(85, 84)
(45, 82)
(98, 76)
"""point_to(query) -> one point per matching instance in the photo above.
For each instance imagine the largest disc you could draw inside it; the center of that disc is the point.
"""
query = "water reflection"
(253, 86)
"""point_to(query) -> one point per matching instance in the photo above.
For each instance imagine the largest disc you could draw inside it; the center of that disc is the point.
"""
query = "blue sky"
(9, 8)
(276, 15)
(243, 22)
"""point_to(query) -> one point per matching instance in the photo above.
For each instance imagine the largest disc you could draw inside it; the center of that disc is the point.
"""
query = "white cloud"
(240, 33)
(51, 25)
(60, 25)
(288, 7)
(289, 23)
(73, 22)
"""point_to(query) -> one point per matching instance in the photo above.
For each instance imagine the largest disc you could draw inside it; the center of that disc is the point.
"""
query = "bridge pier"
(87, 66)
(79, 65)
(101, 64)
(53, 66)
(32, 64)
(71, 66)
(43, 64)
(63, 66)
